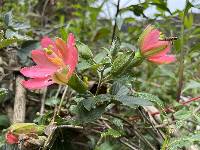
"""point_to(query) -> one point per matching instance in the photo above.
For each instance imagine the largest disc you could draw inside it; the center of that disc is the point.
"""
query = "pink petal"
(151, 38)
(46, 41)
(156, 45)
(163, 52)
(165, 59)
(37, 83)
(69, 52)
(73, 53)
(37, 71)
(39, 57)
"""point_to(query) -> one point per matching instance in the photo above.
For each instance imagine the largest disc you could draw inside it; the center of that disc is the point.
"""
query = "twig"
(115, 25)
(157, 131)
(43, 102)
(61, 101)
(124, 141)
(135, 131)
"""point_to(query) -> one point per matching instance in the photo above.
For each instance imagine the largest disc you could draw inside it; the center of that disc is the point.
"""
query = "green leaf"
(8, 18)
(15, 34)
(132, 101)
(77, 84)
(84, 51)
(188, 21)
(105, 146)
(121, 63)
(187, 7)
(191, 85)
(183, 114)
(111, 132)
(89, 103)
(52, 101)
(149, 97)
(119, 89)
(101, 33)
(4, 121)
(26, 49)
(176, 143)
(3, 93)
(85, 116)
(115, 47)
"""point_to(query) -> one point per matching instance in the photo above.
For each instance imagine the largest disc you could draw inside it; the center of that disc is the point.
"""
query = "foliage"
(116, 98)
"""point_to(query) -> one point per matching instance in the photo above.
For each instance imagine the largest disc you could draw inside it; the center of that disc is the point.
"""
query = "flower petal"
(69, 52)
(11, 138)
(156, 48)
(165, 59)
(39, 57)
(37, 83)
(73, 54)
(37, 71)
(46, 42)
(149, 36)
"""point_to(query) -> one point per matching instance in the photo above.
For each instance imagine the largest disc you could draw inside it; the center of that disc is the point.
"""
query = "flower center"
(53, 57)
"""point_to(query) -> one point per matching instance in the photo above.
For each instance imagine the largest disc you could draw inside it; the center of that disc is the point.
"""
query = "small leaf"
(101, 33)
(132, 101)
(85, 116)
(149, 97)
(119, 89)
(111, 132)
(8, 18)
(115, 47)
(84, 51)
(52, 101)
(89, 103)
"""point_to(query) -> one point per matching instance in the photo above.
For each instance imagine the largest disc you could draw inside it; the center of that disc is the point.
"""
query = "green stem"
(181, 61)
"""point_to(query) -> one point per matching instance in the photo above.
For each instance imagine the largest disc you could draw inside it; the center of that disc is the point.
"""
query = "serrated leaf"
(85, 116)
(84, 51)
(119, 89)
(89, 103)
(132, 101)
(115, 47)
(111, 132)
(183, 114)
(149, 97)
(121, 63)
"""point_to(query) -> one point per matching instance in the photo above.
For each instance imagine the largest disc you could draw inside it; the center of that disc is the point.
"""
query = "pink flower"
(11, 138)
(55, 63)
(153, 48)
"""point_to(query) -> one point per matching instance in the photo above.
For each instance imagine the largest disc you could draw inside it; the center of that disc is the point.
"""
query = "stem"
(43, 102)
(181, 63)
(157, 131)
(61, 101)
(115, 25)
